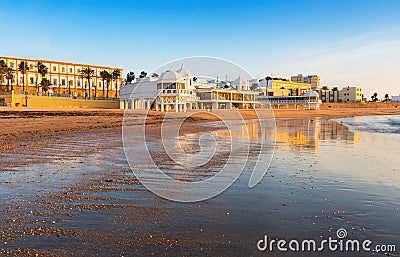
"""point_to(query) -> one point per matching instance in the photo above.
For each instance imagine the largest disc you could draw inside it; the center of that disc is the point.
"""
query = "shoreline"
(37, 123)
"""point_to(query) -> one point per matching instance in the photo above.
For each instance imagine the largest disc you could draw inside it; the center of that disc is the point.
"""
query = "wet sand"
(67, 190)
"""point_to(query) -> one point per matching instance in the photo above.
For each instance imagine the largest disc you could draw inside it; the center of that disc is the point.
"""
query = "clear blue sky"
(346, 42)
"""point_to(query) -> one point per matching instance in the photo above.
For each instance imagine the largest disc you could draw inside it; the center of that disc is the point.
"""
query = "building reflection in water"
(298, 133)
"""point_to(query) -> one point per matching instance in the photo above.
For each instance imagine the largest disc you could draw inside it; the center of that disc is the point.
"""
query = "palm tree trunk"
(89, 87)
(103, 87)
(107, 89)
(23, 82)
(116, 89)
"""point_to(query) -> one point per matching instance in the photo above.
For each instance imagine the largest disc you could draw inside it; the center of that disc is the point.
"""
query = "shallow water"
(323, 177)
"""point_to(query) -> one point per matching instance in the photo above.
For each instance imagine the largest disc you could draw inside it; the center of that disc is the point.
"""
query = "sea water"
(387, 124)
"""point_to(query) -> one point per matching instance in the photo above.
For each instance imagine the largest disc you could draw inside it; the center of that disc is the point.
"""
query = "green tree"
(45, 84)
(108, 80)
(42, 70)
(254, 87)
(154, 75)
(143, 74)
(375, 97)
(23, 68)
(130, 76)
(3, 69)
(87, 73)
(115, 75)
(104, 76)
(9, 76)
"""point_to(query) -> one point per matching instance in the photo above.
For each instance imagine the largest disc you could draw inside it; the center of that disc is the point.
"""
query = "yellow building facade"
(65, 78)
(279, 87)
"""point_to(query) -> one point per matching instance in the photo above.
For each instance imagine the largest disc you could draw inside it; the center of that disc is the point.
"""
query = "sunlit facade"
(179, 91)
(65, 78)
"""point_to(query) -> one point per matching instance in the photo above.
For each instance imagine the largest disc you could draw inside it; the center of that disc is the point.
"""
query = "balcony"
(174, 92)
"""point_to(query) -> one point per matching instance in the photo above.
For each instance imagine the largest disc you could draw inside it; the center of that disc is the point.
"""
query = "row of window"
(54, 68)
(63, 83)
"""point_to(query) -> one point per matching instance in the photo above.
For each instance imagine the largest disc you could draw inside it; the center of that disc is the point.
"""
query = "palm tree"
(154, 75)
(387, 98)
(42, 70)
(115, 75)
(45, 84)
(130, 76)
(104, 75)
(9, 76)
(143, 74)
(87, 74)
(3, 69)
(108, 80)
(375, 97)
(254, 87)
(23, 68)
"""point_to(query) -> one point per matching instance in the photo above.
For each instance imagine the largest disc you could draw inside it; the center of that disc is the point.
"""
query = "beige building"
(298, 78)
(64, 77)
(314, 80)
(350, 94)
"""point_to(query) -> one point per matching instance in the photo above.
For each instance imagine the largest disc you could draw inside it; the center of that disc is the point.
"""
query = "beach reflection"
(307, 133)
(298, 133)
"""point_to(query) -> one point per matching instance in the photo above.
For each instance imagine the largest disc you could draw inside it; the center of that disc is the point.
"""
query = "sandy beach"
(67, 189)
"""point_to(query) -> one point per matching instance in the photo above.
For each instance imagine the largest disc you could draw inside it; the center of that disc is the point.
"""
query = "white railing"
(176, 92)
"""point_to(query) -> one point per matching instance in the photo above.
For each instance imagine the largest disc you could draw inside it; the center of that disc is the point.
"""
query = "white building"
(178, 91)
(395, 98)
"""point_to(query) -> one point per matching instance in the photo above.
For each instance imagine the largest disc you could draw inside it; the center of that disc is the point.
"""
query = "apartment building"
(350, 94)
(314, 80)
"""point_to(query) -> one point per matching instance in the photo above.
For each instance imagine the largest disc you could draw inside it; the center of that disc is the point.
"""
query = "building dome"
(311, 93)
(170, 76)
(239, 80)
(185, 72)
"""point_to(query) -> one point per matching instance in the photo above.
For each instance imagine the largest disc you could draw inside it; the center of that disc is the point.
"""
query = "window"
(54, 81)
(71, 83)
(62, 69)
(79, 70)
(63, 82)
(78, 83)
(31, 80)
(54, 68)
(99, 84)
(12, 65)
(31, 66)
(70, 70)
